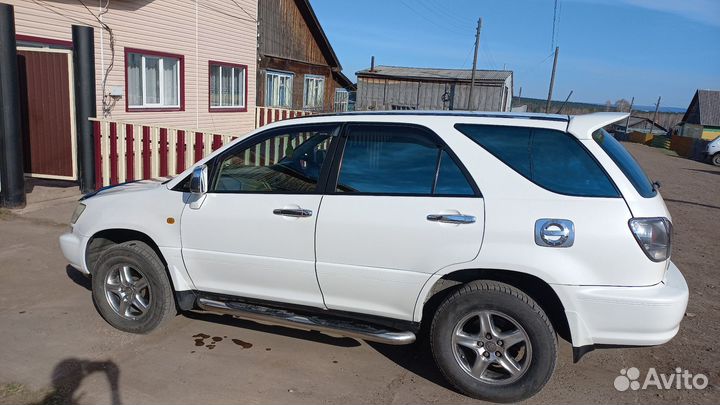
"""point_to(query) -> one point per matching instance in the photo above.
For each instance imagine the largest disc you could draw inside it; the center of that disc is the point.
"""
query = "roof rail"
(480, 114)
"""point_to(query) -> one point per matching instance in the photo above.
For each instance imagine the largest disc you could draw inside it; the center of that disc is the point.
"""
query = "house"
(407, 88)
(297, 67)
(171, 63)
(640, 125)
(702, 118)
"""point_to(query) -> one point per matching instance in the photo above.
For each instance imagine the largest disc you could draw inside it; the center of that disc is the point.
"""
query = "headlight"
(654, 237)
(76, 214)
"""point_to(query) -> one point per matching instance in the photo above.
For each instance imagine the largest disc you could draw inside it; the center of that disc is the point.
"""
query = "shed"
(702, 118)
(409, 88)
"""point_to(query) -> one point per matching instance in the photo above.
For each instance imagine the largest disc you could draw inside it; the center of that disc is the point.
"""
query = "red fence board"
(147, 173)
(129, 153)
(113, 153)
(180, 150)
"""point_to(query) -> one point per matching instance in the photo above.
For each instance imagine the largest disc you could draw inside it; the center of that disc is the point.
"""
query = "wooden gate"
(47, 108)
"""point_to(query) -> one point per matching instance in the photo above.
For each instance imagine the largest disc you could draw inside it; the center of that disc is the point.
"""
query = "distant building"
(639, 124)
(404, 88)
(702, 119)
(297, 66)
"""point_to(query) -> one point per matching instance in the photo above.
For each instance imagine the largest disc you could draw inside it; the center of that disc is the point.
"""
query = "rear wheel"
(493, 342)
(131, 289)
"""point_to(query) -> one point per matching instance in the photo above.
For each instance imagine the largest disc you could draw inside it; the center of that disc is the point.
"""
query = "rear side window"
(627, 164)
(398, 160)
(551, 159)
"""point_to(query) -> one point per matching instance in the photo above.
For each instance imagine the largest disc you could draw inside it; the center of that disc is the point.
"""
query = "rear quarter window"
(551, 159)
(627, 164)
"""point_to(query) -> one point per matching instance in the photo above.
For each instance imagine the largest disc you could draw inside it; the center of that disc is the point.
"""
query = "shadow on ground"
(78, 277)
(67, 377)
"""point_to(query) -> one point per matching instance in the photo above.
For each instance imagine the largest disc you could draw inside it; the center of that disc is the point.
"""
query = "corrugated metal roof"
(709, 103)
(436, 74)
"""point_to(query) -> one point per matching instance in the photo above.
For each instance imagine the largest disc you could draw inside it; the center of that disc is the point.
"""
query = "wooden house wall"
(383, 94)
(299, 71)
(283, 33)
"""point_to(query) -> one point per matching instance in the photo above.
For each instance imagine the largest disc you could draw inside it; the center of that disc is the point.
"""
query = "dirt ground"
(55, 348)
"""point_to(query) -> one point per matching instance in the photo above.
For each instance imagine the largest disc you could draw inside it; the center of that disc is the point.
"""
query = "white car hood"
(133, 186)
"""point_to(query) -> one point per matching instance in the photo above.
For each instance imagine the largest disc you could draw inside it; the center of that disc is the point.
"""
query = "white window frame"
(344, 103)
(235, 104)
(316, 79)
(161, 80)
(289, 77)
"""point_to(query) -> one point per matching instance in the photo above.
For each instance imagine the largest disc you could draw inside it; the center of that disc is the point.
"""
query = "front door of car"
(400, 208)
(254, 233)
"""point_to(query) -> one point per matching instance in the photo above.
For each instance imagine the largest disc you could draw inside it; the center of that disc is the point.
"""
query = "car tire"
(131, 289)
(478, 364)
(715, 159)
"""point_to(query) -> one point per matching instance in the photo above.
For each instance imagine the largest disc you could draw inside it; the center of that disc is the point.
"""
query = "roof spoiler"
(582, 126)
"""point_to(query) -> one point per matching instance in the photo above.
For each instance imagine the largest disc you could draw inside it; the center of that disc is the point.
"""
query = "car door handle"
(451, 218)
(293, 212)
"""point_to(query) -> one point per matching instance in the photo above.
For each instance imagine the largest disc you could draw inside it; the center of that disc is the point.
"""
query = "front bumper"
(73, 248)
(633, 316)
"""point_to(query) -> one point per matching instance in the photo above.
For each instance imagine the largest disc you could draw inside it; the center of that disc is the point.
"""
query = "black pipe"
(85, 107)
(12, 177)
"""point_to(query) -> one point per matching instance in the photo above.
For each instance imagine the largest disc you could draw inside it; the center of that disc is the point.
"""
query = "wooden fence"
(127, 151)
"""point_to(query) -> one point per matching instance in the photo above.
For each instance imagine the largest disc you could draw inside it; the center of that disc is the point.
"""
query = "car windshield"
(625, 162)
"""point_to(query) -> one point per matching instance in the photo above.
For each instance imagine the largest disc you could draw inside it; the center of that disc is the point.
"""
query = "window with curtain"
(278, 89)
(227, 86)
(153, 80)
(314, 92)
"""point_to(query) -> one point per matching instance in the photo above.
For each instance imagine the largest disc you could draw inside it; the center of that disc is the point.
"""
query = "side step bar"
(309, 322)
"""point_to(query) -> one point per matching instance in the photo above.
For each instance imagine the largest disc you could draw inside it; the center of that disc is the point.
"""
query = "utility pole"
(520, 95)
(552, 80)
(472, 75)
(652, 124)
(627, 120)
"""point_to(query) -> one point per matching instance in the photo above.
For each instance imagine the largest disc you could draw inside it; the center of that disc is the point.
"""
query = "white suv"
(490, 232)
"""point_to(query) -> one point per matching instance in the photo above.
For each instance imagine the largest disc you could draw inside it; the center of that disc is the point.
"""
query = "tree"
(622, 105)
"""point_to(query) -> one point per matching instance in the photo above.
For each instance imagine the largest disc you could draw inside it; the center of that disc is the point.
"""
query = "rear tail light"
(654, 237)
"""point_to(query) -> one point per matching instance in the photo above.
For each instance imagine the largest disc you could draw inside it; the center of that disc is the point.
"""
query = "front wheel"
(131, 289)
(716, 159)
(493, 342)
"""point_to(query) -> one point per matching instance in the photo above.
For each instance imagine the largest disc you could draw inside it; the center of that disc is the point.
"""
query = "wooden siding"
(283, 33)
(299, 71)
(385, 94)
(202, 31)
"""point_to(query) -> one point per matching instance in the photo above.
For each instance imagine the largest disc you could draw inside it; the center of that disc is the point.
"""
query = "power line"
(244, 11)
(436, 9)
(443, 27)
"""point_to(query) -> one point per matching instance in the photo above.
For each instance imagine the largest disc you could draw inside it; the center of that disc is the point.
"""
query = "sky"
(609, 49)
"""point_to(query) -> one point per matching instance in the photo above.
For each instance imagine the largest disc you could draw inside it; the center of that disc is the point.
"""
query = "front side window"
(278, 89)
(153, 80)
(314, 92)
(627, 164)
(551, 159)
(398, 160)
(227, 86)
(288, 161)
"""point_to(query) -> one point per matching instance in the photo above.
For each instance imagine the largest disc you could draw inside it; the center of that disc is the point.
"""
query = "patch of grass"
(11, 389)
(19, 394)
(5, 214)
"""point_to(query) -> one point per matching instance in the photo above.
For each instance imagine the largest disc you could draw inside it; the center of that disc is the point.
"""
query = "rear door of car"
(399, 206)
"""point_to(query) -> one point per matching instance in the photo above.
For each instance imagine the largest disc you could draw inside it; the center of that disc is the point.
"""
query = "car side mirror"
(199, 180)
